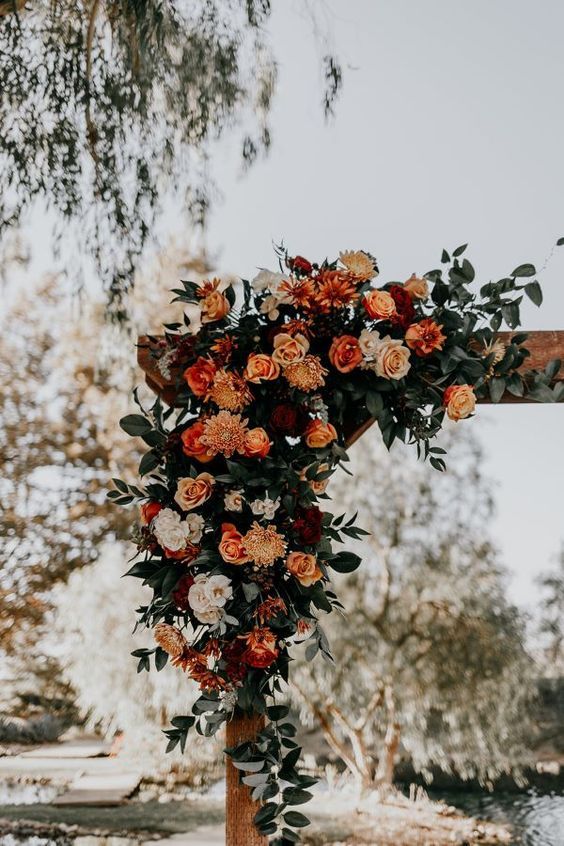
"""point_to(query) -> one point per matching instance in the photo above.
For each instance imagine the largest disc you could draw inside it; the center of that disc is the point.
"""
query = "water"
(536, 819)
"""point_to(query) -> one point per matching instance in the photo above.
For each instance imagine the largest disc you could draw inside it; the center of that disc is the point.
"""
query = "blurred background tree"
(431, 654)
(108, 110)
(551, 627)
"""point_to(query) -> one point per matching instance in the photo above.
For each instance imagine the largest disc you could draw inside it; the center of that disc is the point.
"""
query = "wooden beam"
(543, 346)
(8, 7)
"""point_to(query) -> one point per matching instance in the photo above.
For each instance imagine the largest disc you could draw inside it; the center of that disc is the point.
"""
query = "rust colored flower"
(360, 264)
(379, 305)
(271, 607)
(300, 292)
(405, 310)
(319, 434)
(230, 391)
(173, 642)
(261, 649)
(345, 353)
(231, 546)
(300, 264)
(418, 289)
(289, 419)
(192, 444)
(148, 511)
(215, 307)
(264, 544)
(199, 376)
(257, 443)
(186, 554)
(306, 375)
(336, 289)
(425, 337)
(307, 524)
(222, 349)
(224, 433)
(180, 593)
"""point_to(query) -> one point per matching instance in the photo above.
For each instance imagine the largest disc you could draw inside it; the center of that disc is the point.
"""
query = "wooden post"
(239, 807)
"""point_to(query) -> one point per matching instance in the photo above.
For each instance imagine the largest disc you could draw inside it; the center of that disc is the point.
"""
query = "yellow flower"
(359, 264)
(224, 433)
(263, 544)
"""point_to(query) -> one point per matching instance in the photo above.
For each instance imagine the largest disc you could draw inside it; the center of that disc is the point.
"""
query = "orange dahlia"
(229, 391)
(224, 433)
(336, 289)
(263, 544)
(306, 375)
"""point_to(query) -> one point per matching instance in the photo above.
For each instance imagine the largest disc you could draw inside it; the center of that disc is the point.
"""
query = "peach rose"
(288, 349)
(459, 401)
(425, 337)
(257, 443)
(319, 434)
(261, 648)
(317, 486)
(261, 368)
(193, 492)
(215, 306)
(231, 546)
(345, 353)
(379, 305)
(392, 359)
(148, 511)
(192, 445)
(418, 289)
(199, 376)
(304, 567)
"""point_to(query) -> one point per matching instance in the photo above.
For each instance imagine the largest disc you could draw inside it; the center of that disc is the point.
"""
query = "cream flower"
(207, 597)
(358, 263)
(392, 359)
(368, 343)
(265, 507)
(195, 525)
(289, 349)
(170, 530)
(233, 500)
(267, 279)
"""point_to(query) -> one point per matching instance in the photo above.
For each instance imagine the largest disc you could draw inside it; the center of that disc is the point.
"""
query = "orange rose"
(379, 305)
(459, 401)
(304, 567)
(261, 648)
(261, 368)
(231, 546)
(215, 306)
(418, 289)
(425, 337)
(148, 511)
(193, 492)
(257, 444)
(319, 434)
(199, 376)
(345, 353)
(192, 445)
(288, 349)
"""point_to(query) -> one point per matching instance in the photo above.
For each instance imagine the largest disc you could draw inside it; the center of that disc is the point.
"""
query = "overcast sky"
(450, 129)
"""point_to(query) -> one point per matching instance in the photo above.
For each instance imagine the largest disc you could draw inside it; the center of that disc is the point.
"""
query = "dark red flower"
(180, 593)
(307, 525)
(288, 419)
(404, 306)
(299, 264)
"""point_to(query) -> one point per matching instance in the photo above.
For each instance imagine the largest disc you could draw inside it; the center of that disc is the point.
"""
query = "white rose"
(170, 530)
(195, 527)
(392, 359)
(210, 617)
(233, 500)
(219, 590)
(198, 597)
(267, 279)
(368, 343)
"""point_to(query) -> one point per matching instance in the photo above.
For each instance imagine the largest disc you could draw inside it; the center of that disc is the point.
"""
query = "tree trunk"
(387, 760)
(239, 807)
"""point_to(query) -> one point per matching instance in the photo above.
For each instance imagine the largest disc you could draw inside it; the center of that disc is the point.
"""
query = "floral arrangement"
(271, 382)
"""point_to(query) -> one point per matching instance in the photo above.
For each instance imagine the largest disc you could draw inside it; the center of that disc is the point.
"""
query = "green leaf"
(524, 270)
(296, 796)
(149, 462)
(374, 403)
(345, 562)
(497, 388)
(135, 424)
(161, 657)
(459, 250)
(560, 242)
(277, 712)
(445, 258)
(248, 766)
(534, 292)
(267, 813)
(295, 819)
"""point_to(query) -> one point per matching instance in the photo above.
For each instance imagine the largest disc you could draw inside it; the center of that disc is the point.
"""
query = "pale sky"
(450, 129)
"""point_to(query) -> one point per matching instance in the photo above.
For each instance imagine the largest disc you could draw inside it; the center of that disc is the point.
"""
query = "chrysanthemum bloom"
(425, 337)
(264, 544)
(306, 375)
(336, 289)
(224, 433)
(459, 401)
(418, 289)
(300, 292)
(359, 264)
(223, 348)
(172, 641)
(496, 348)
(261, 648)
(229, 391)
(345, 353)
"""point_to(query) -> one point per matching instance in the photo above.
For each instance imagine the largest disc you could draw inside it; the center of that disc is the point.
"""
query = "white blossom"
(170, 530)
(267, 279)
(266, 507)
(207, 597)
(233, 500)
